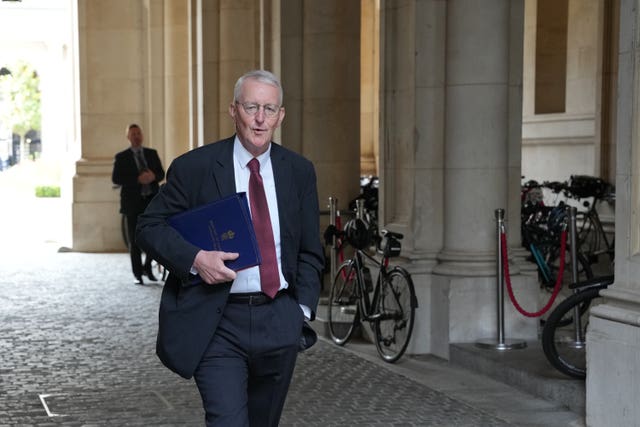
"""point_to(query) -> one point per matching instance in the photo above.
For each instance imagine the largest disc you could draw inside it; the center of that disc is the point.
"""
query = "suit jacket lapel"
(222, 165)
(283, 177)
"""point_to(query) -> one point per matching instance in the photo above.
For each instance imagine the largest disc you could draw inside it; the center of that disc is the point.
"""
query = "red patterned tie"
(269, 277)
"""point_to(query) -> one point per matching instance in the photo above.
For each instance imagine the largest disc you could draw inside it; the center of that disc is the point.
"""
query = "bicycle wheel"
(343, 311)
(396, 305)
(559, 342)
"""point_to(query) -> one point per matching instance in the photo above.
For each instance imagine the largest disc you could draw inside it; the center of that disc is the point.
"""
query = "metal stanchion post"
(501, 343)
(333, 203)
(579, 340)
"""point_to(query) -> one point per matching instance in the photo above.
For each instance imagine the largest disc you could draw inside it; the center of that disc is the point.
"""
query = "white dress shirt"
(248, 280)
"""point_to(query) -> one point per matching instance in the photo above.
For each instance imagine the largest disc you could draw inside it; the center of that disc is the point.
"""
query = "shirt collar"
(244, 156)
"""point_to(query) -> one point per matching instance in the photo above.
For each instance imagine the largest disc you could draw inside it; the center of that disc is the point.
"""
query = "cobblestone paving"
(77, 349)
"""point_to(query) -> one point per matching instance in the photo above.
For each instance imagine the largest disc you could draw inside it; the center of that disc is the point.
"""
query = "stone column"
(141, 74)
(237, 55)
(411, 153)
(330, 99)
(613, 336)
(369, 84)
(476, 175)
(111, 96)
(174, 118)
(518, 254)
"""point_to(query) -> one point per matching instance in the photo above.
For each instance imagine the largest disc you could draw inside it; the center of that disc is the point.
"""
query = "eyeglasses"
(251, 108)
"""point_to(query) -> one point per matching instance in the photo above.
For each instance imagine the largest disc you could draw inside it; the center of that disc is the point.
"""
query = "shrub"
(47, 191)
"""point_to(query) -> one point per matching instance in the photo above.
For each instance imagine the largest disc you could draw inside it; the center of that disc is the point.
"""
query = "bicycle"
(592, 237)
(389, 305)
(543, 228)
(564, 345)
(587, 192)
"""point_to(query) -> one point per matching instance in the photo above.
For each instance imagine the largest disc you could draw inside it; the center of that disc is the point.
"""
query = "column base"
(613, 345)
(465, 310)
(96, 209)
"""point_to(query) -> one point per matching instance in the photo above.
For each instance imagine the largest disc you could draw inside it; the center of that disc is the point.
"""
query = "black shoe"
(150, 275)
(138, 280)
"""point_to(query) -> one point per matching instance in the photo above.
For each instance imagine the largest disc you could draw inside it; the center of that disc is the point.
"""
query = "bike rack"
(500, 343)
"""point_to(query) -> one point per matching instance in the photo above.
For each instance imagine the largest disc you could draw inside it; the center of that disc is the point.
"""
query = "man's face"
(135, 137)
(255, 128)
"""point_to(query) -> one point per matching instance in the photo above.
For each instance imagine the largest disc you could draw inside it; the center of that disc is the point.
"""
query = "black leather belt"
(253, 298)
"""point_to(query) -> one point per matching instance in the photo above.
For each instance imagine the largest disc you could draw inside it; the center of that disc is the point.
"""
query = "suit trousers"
(245, 373)
(134, 250)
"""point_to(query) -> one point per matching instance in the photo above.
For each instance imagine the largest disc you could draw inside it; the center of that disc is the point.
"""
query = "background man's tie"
(142, 162)
(269, 277)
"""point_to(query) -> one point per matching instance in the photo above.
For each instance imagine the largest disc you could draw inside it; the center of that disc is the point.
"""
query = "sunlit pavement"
(27, 221)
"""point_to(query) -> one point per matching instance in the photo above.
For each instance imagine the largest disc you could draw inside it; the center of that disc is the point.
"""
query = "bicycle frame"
(389, 305)
(591, 228)
(543, 267)
(367, 302)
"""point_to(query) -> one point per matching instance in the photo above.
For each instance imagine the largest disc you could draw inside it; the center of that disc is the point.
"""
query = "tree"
(20, 99)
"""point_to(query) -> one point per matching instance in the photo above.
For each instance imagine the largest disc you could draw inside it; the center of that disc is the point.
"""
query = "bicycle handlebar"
(332, 231)
(595, 282)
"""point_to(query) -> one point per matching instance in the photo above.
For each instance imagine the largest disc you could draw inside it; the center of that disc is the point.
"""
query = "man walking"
(138, 171)
(238, 333)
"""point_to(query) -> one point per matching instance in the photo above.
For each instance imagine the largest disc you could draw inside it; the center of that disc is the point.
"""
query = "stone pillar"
(613, 336)
(111, 97)
(411, 153)
(476, 175)
(330, 99)
(211, 113)
(369, 84)
(141, 75)
(518, 254)
(176, 79)
(237, 55)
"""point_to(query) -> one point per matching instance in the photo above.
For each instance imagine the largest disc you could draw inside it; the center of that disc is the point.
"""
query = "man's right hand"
(211, 268)
(146, 177)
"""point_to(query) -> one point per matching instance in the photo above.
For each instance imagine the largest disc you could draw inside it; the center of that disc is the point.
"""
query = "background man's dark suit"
(190, 313)
(132, 202)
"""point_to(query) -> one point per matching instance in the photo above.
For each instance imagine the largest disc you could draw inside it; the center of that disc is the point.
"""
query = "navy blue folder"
(223, 225)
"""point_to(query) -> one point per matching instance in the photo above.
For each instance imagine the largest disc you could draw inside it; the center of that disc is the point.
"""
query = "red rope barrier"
(507, 277)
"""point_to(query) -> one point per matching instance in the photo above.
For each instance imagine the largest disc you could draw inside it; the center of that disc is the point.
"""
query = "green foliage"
(47, 191)
(20, 96)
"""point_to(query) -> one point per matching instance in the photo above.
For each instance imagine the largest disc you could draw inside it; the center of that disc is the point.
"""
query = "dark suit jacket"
(125, 174)
(189, 314)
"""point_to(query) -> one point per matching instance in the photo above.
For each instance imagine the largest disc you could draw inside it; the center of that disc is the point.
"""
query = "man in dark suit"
(138, 171)
(236, 338)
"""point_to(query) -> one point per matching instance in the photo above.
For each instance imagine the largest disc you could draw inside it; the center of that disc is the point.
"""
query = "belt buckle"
(257, 299)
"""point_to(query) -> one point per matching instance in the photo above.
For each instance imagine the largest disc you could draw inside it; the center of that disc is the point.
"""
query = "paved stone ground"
(77, 349)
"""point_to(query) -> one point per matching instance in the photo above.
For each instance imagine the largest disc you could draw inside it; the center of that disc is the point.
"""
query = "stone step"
(525, 369)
